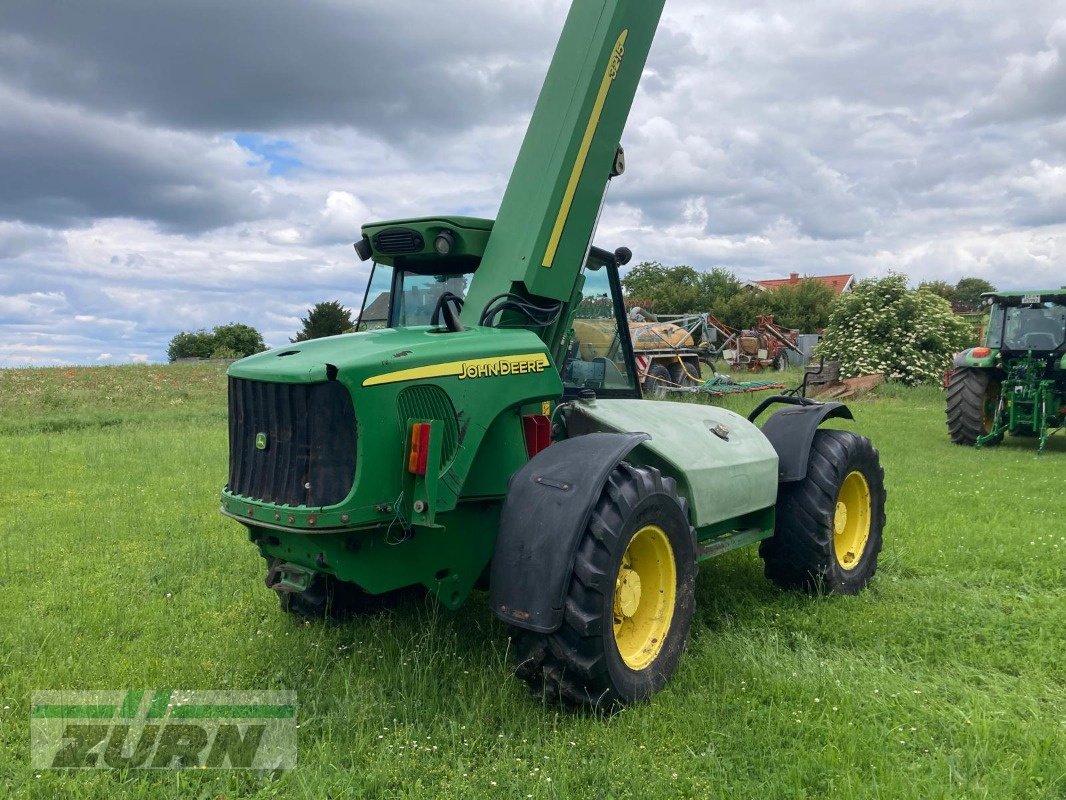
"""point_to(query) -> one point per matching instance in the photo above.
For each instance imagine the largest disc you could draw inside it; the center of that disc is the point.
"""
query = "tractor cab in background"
(422, 265)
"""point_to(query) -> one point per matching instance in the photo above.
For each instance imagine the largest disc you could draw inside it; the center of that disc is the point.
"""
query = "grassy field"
(947, 678)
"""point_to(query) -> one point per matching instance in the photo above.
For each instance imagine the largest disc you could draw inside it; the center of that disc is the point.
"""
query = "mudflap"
(549, 502)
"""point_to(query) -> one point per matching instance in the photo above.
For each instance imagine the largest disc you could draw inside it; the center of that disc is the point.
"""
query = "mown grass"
(945, 679)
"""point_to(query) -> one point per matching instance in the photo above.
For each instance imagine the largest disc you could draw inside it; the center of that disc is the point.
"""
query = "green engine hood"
(396, 355)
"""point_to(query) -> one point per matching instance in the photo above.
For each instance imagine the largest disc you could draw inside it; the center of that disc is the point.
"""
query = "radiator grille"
(399, 240)
(430, 403)
(308, 438)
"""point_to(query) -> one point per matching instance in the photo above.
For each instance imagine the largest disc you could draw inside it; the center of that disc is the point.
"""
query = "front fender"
(967, 359)
(549, 502)
(791, 431)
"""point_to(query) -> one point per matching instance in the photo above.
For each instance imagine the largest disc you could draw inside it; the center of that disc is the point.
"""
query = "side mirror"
(622, 256)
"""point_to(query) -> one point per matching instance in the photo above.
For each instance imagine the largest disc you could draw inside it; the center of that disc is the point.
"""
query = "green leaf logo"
(260, 441)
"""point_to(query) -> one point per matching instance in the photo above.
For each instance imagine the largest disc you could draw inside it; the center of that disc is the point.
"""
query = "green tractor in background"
(1016, 382)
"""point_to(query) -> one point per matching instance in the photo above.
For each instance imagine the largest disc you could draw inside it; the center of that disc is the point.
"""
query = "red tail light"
(418, 456)
(538, 432)
(980, 352)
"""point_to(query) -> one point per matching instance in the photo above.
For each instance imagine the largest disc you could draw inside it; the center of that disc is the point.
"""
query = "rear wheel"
(629, 605)
(657, 380)
(829, 525)
(972, 399)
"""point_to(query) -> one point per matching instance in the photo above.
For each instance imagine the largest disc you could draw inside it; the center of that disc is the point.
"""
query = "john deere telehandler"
(470, 440)
(1016, 381)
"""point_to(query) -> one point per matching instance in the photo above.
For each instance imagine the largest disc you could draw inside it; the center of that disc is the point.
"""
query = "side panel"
(722, 477)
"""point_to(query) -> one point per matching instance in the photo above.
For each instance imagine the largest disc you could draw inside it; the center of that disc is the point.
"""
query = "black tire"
(328, 599)
(971, 399)
(657, 381)
(678, 375)
(781, 362)
(803, 552)
(686, 372)
(580, 663)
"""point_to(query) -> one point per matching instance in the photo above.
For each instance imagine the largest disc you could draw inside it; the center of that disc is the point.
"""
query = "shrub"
(882, 326)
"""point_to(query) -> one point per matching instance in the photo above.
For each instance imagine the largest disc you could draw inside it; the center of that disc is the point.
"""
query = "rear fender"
(549, 503)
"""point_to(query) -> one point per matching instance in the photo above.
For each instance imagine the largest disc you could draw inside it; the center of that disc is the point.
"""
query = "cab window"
(598, 353)
(399, 298)
(418, 296)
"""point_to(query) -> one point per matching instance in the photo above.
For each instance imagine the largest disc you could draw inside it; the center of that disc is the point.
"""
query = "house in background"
(838, 283)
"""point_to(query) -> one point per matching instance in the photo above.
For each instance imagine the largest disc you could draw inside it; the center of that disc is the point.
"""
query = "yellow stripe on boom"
(583, 152)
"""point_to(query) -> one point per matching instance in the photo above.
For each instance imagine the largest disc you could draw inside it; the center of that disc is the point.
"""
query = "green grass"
(945, 679)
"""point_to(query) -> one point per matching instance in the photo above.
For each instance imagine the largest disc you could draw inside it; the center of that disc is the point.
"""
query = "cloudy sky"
(168, 166)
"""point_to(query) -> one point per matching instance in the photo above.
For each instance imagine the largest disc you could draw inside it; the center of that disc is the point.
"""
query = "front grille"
(430, 403)
(395, 241)
(308, 437)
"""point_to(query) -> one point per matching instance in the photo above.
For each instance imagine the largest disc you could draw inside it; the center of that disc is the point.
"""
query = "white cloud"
(769, 138)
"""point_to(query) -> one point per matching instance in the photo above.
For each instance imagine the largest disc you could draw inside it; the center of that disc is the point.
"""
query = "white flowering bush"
(881, 326)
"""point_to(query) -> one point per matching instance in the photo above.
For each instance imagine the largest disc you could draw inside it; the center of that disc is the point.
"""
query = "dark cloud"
(393, 68)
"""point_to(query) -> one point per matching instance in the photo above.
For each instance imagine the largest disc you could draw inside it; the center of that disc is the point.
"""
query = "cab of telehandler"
(420, 266)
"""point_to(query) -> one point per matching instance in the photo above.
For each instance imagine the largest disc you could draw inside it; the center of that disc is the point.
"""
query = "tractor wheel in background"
(679, 374)
(630, 602)
(972, 397)
(829, 525)
(328, 598)
(657, 381)
(781, 361)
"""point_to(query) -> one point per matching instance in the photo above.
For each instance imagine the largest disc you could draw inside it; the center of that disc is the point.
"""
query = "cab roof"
(1021, 296)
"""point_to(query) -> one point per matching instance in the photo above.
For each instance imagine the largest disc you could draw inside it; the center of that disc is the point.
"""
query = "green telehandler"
(474, 434)
(1016, 381)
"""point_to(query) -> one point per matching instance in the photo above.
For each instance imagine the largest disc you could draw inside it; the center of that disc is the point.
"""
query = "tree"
(968, 292)
(234, 340)
(243, 340)
(191, 344)
(939, 288)
(743, 309)
(882, 327)
(805, 306)
(666, 290)
(324, 319)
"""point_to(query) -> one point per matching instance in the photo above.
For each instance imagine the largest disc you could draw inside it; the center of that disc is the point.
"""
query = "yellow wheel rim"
(991, 404)
(645, 592)
(851, 522)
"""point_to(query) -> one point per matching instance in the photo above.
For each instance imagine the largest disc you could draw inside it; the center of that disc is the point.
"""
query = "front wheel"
(630, 602)
(829, 525)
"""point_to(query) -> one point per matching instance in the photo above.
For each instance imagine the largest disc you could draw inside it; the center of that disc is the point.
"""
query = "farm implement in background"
(764, 345)
(1015, 383)
(669, 349)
